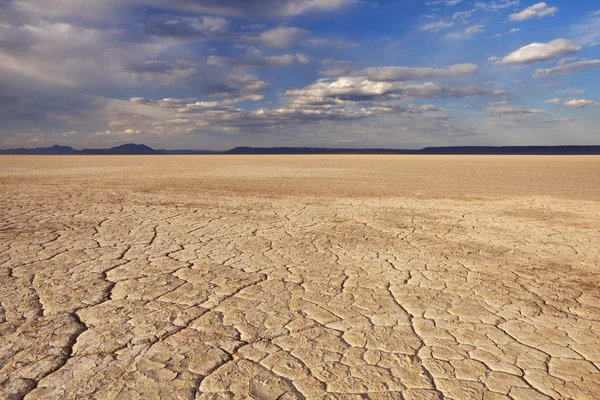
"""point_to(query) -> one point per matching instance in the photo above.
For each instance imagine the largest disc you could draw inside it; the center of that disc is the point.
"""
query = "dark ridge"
(54, 150)
(313, 150)
(188, 152)
(141, 149)
(461, 150)
(129, 148)
(508, 150)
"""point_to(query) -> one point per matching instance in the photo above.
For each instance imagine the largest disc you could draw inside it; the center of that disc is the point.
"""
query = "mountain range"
(141, 149)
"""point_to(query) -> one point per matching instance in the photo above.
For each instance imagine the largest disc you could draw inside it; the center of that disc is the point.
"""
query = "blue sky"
(212, 74)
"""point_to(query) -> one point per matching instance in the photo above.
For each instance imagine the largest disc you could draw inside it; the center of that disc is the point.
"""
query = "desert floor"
(291, 277)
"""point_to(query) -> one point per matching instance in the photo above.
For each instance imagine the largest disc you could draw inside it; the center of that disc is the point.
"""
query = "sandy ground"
(292, 277)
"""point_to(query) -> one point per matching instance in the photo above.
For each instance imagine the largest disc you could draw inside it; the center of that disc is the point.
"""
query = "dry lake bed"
(300, 277)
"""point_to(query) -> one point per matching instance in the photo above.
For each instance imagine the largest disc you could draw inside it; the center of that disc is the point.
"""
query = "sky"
(214, 74)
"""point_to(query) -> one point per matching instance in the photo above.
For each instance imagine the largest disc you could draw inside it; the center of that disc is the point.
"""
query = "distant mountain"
(129, 148)
(126, 149)
(141, 149)
(313, 150)
(56, 149)
(464, 150)
(508, 150)
(188, 152)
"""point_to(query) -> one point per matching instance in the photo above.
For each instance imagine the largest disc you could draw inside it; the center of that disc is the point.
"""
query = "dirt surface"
(292, 277)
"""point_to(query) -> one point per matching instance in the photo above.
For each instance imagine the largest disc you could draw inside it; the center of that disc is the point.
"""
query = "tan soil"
(291, 277)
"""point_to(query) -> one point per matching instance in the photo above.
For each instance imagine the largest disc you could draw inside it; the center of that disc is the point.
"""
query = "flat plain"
(293, 277)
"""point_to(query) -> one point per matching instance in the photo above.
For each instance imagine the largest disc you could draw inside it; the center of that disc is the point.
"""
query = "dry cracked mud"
(300, 277)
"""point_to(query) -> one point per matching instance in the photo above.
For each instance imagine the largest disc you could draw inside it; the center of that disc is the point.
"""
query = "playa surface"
(292, 277)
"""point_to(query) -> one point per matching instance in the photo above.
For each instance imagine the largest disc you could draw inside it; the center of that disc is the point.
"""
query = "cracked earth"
(317, 277)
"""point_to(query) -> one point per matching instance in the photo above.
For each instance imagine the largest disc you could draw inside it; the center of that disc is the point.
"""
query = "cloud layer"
(212, 73)
(537, 52)
(538, 10)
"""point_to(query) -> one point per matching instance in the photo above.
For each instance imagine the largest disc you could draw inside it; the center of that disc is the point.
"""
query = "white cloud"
(538, 10)
(537, 52)
(437, 26)
(495, 6)
(568, 69)
(498, 103)
(464, 16)
(580, 103)
(575, 91)
(280, 37)
(593, 13)
(389, 74)
(451, 3)
(514, 30)
(192, 105)
(474, 29)
(321, 43)
(493, 58)
(361, 89)
(553, 101)
(566, 60)
(517, 110)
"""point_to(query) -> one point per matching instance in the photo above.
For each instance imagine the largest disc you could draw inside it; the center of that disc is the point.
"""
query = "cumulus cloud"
(361, 89)
(537, 52)
(279, 38)
(186, 116)
(553, 101)
(389, 74)
(538, 10)
(193, 105)
(580, 103)
(568, 69)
